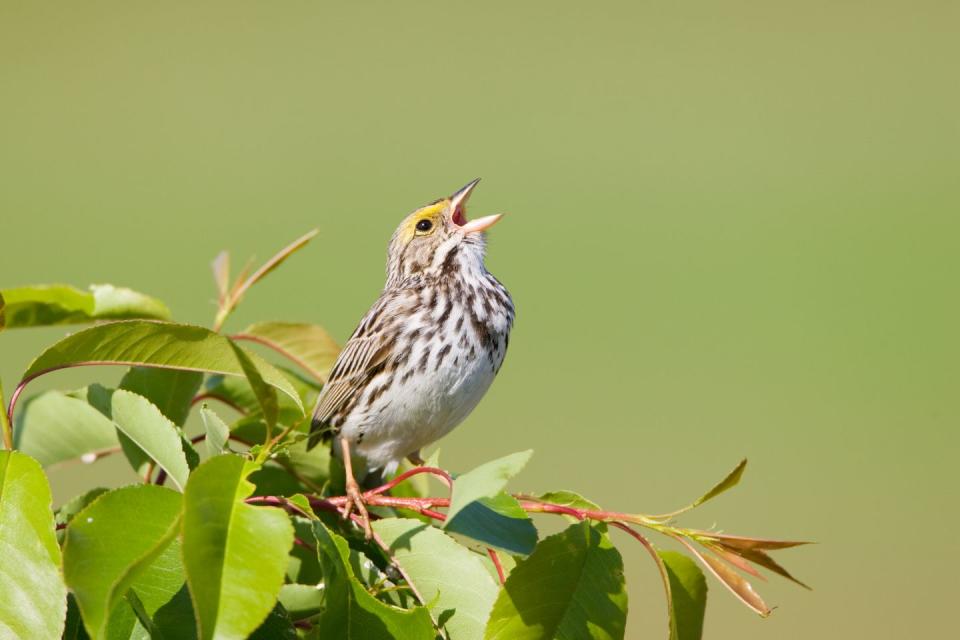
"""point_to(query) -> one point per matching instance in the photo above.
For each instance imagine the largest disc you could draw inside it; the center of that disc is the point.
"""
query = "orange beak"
(458, 203)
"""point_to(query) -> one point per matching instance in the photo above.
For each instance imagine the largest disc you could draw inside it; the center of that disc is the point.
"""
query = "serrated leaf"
(485, 481)
(34, 598)
(54, 427)
(153, 435)
(156, 344)
(235, 554)
(308, 345)
(111, 542)
(686, 595)
(351, 613)
(172, 391)
(448, 577)
(216, 430)
(499, 522)
(45, 305)
(571, 586)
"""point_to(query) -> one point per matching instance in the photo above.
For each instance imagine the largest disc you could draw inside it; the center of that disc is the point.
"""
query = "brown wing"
(369, 347)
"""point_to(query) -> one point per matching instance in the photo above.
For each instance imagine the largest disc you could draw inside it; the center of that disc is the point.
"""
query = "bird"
(425, 353)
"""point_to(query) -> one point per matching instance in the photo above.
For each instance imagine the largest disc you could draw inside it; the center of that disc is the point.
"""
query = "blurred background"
(732, 231)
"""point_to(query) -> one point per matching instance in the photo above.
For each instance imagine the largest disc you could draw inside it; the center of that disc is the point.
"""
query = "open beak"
(458, 203)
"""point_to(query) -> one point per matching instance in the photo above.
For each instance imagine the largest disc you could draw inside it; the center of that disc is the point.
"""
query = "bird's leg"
(354, 496)
(415, 459)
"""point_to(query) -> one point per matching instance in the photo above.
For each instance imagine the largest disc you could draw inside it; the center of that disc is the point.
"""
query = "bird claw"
(355, 501)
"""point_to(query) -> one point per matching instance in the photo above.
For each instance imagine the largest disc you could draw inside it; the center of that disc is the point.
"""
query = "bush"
(236, 531)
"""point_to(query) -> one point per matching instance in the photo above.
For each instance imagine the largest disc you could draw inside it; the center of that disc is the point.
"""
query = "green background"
(731, 230)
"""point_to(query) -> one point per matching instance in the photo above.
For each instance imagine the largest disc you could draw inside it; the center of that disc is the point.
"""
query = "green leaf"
(265, 394)
(54, 427)
(72, 507)
(571, 586)
(235, 554)
(311, 467)
(34, 598)
(142, 615)
(448, 577)
(729, 482)
(156, 344)
(686, 595)
(304, 565)
(116, 303)
(73, 626)
(147, 429)
(277, 626)
(481, 511)
(172, 391)
(499, 522)
(351, 613)
(485, 481)
(217, 431)
(302, 600)
(308, 345)
(568, 499)
(45, 305)
(153, 588)
(237, 393)
(175, 620)
(111, 542)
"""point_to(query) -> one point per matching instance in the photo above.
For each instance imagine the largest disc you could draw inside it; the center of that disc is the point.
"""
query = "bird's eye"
(424, 225)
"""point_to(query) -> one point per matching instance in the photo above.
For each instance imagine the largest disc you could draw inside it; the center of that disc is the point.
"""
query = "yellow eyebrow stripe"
(430, 211)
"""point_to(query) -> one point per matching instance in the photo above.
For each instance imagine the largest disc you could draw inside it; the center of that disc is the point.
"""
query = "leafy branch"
(252, 541)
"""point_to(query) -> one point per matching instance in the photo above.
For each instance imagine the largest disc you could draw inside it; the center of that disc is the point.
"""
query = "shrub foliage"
(235, 529)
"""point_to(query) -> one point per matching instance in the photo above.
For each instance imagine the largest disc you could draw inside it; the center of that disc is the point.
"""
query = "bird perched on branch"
(425, 352)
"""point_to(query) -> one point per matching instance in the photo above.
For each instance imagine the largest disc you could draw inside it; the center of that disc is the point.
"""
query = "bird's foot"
(415, 459)
(355, 501)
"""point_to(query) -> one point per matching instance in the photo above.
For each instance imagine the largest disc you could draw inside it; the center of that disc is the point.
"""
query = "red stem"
(434, 471)
(496, 563)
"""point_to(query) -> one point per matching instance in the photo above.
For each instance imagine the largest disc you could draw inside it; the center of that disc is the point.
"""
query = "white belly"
(422, 409)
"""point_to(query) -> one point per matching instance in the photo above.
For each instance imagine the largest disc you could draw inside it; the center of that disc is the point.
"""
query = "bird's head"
(438, 239)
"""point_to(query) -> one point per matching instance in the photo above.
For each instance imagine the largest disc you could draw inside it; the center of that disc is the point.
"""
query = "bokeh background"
(732, 231)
